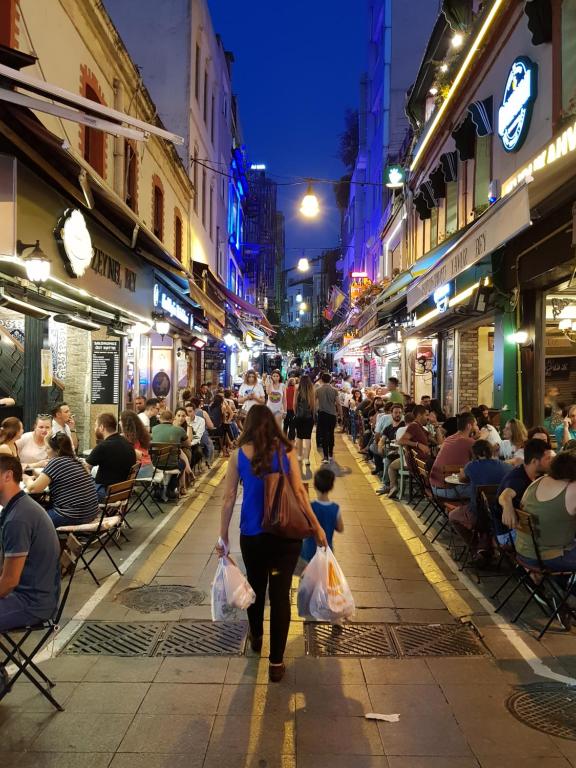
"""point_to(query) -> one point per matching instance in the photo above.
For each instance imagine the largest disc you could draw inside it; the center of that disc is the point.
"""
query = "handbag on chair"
(284, 514)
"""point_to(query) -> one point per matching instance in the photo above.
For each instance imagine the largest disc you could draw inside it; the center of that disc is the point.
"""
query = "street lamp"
(309, 207)
(303, 264)
(161, 323)
(303, 307)
(37, 264)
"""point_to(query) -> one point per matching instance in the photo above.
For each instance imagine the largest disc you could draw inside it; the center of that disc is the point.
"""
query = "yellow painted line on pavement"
(452, 598)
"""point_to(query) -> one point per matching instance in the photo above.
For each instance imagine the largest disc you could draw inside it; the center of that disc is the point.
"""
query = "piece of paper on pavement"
(387, 718)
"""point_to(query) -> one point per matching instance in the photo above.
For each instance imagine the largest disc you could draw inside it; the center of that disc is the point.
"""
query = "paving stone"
(450, 671)
(254, 671)
(68, 668)
(257, 699)
(131, 760)
(374, 599)
(75, 732)
(318, 734)
(26, 696)
(192, 670)
(342, 761)
(507, 761)
(123, 670)
(55, 760)
(245, 734)
(168, 734)
(396, 671)
(215, 758)
(181, 699)
(19, 729)
(328, 671)
(111, 698)
(432, 762)
(346, 699)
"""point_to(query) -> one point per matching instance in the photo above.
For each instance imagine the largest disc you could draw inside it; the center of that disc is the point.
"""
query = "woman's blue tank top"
(252, 509)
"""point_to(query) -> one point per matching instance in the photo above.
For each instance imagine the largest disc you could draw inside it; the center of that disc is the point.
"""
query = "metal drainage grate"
(204, 638)
(547, 707)
(132, 639)
(161, 598)
(437, 640)
(348, 640)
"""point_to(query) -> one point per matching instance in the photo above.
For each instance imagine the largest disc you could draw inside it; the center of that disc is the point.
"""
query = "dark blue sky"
(297, 68)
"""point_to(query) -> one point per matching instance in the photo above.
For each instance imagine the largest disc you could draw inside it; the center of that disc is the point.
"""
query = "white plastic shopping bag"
(230, 590)
(331, 599)
(308, 580)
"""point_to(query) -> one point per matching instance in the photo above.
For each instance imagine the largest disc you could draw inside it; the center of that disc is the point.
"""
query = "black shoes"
(276, 672)
(255, 643)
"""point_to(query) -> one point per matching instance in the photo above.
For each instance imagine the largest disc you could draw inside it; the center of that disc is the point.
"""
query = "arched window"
(9, 16)
(157, 207)
(131, 176)
(177, 235)
(93, 139)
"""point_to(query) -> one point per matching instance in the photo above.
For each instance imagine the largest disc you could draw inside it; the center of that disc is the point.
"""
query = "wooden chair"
(147, 487)
(438, 513)
(14, 648)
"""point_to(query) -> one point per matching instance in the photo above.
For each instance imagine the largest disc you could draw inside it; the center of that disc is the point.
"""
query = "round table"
(454, 480)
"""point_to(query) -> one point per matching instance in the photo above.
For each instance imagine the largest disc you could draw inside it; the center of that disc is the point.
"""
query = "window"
(177, 235)
(197, 74)
(195, 179)
(158, 209)
(130, 176)
(8, 23)
(211, 214)
(451, 207)
(482, 171)
(94, 140)
(212, 108)
(204, 199)
(205, 101)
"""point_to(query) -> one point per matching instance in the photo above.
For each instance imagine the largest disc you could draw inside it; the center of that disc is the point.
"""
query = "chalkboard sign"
(558, 367)
(106, 372)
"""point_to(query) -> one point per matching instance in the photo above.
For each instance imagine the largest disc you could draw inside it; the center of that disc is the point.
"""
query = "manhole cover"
(161, 598)
(204, 638)
(348, 640)
(437, 640)
(547, 707)
(134, 639)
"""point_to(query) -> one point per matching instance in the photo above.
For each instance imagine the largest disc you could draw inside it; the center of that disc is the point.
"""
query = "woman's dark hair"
(133, 429)
(540, 431)
(563, 467)
(265, 436)
(480, 418)
(61, 445)
(357, 392)
(324, 480)
(217, 401)
(482, 449)
(305, 392)
(9, 429)
(278, 372)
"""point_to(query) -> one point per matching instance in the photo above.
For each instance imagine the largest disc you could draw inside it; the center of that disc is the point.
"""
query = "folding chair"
(557, 596)
(101, 532)
(13, 648)
(485, 496)
(438, 512)
(148, 485)
(168, 461)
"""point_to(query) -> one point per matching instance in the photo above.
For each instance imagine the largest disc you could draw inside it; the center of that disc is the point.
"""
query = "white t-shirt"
(399, 432)
(58, 428)
(248, 389)
(492, 435)
(145, 419)
(276, 398)
(29, 452)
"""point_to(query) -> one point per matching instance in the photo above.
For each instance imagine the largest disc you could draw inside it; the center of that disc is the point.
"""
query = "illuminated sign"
(172, 307)
(394, 176)
(442, 297)
(562, 145)
(358, 286)
(76, 241)
(258, 167)
(516, 108)
(356, 275)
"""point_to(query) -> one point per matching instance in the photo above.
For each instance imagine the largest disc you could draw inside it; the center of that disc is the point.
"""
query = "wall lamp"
(521, 338)
(36, 263)
(161, 324)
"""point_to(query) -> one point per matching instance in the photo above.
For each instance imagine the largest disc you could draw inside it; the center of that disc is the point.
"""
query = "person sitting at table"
(483, 469)
(537, 459)
(139, 404)
(567, 429)
(149, 416)
(187, 477)
(63, 421)
(216, 411)
(512, 447)
(11, 430)
(194, 410)
(167, 432)
(139, 438)
(30, 573)
(487, 431)
(73, 495)
(455, 451)
(32, 445)
(540, 433)
(113, 455)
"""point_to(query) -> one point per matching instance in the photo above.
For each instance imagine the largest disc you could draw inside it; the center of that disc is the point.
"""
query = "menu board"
(106, 372)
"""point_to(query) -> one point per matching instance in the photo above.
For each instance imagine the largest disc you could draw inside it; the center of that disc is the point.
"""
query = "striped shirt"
(72, 489)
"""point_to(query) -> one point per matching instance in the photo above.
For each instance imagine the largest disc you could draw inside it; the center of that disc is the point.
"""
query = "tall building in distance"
(264, 240)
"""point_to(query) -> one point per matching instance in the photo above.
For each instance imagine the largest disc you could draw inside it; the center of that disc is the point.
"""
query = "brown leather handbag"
(284, 514)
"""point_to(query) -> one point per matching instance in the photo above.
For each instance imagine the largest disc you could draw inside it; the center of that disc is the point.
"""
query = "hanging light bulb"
(457, 40)
(309, 206)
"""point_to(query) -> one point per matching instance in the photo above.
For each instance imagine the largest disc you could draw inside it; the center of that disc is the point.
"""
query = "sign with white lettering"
(501, 222)
(516, 108)
(105, 372)
(166, 300)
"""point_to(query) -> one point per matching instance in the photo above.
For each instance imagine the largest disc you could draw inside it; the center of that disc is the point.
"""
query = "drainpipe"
(119, 181)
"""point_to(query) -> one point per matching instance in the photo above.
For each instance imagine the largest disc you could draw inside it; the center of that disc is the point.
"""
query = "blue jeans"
(101, 490)
(14, 613)
(567, 562)
(146, 471)
(59, 519)
(457, 492)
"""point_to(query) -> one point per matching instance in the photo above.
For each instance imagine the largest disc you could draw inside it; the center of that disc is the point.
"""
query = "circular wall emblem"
(76, 241)
(516, 109)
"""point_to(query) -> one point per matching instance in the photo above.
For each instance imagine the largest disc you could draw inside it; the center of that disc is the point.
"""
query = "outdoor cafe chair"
(147, 487)
(13, 641)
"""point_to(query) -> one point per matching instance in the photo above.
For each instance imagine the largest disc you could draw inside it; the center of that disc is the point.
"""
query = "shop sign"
(394, 176)
(558, 367)
(442, 297)
(105, 372)
(358, 286)
(166, 301)
(76, 241)
(504, 220)
(103, 264)
(516, 109)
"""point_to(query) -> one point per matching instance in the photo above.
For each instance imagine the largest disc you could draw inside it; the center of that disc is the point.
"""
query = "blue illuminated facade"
(237, 195)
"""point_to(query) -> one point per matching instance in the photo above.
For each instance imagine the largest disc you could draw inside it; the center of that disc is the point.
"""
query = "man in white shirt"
(149, 415)
(31, 446)
(61, 422)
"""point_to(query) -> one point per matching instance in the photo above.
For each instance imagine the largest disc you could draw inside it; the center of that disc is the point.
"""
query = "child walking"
(327, 512)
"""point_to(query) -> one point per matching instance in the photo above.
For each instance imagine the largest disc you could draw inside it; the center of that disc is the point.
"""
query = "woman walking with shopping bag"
(270, 558)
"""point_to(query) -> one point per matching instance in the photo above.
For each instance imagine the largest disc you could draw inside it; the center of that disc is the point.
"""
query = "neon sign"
(516, 109)
(442, 297)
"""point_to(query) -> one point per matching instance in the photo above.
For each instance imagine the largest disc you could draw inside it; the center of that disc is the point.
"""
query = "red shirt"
(417, 434)
(290, 390)
(455, 450)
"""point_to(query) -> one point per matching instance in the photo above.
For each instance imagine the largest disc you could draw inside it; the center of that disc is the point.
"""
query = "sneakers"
(325, 461)
(381, 491)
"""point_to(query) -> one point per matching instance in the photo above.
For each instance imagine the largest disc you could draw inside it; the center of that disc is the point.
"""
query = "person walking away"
(394, 395)
(327, 512)
(270, 560)
(30, 573)
(113, 455)
(304, 418)
(276, 392)
(326, 397)
(289, 427)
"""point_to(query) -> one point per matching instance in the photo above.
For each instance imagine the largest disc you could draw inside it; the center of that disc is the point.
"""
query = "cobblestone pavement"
(205, 712)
